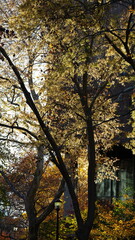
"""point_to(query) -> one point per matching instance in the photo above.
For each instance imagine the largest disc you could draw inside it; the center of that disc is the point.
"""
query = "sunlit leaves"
(68, 101)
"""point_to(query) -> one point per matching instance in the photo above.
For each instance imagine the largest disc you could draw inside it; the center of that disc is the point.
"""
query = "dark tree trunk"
(83, 233)
(33, 230)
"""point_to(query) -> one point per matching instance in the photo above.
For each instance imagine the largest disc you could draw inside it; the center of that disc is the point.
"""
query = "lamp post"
(57, 206)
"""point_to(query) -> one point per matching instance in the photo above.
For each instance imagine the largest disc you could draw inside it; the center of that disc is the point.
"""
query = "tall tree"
(73, 109)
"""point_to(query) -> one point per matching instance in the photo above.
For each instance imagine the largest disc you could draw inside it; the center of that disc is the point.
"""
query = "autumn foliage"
(59, 74)
(113, 221)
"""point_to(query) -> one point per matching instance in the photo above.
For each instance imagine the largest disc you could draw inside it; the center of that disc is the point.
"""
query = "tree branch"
(50, 208)
(128, 28)
(37, 175)
(10, 184)
(127, 57)
(51, 140)
(114, 118)
(19, 128)
(97, 94)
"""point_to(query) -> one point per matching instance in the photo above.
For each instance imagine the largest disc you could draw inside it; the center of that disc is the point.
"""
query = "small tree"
(26, 183)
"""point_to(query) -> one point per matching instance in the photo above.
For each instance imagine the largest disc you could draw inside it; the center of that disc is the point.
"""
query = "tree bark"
(83, 233)
(33, 229)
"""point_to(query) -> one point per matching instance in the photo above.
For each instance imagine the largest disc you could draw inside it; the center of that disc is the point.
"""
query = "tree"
(83, 114)
(29, 196)
(25, 182)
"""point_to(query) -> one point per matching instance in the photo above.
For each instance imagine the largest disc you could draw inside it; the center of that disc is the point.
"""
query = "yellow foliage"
(114, 221)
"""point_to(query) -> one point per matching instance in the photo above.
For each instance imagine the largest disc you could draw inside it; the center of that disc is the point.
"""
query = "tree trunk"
(33, 231)
(83, 233)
